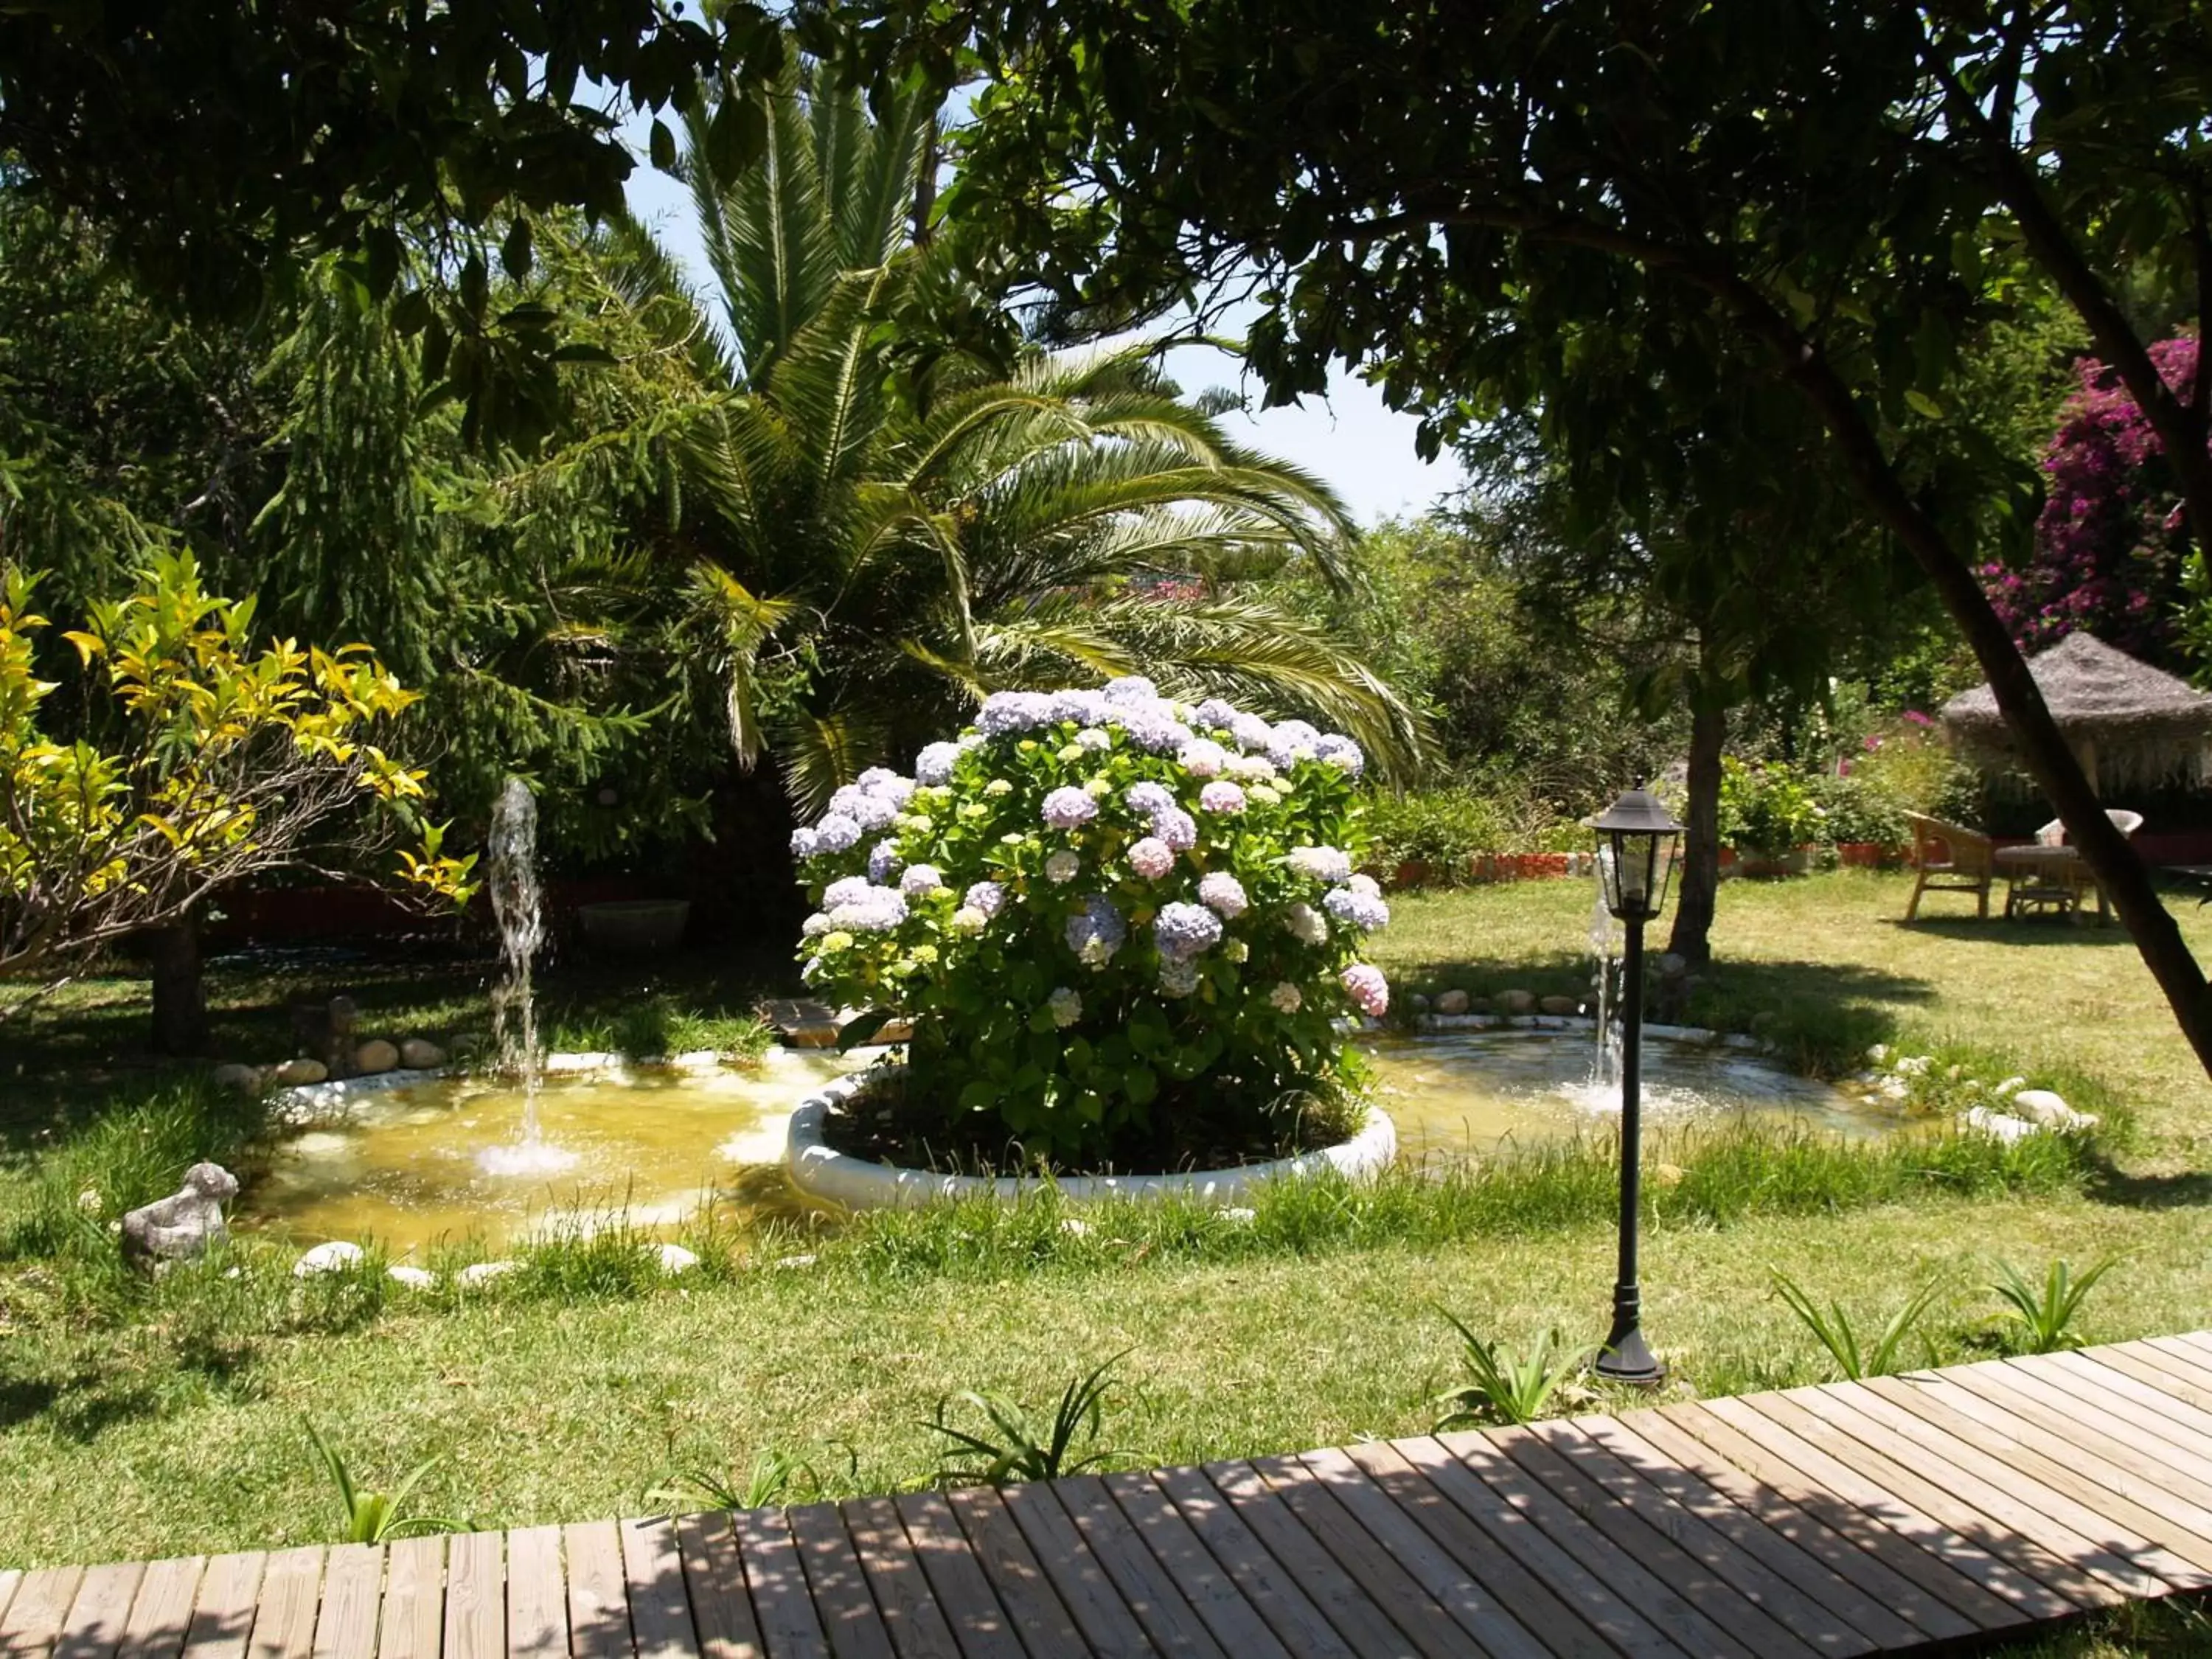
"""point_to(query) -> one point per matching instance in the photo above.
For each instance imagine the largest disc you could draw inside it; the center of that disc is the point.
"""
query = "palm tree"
(881, 519)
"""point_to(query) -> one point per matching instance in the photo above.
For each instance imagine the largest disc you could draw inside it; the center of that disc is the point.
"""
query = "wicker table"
(2039, 878)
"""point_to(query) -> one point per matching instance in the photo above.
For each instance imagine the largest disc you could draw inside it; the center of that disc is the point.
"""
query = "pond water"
(1474, 1091)
(411, 1167)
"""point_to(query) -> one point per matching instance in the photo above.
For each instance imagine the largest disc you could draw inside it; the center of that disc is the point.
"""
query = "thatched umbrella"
(2128, 723)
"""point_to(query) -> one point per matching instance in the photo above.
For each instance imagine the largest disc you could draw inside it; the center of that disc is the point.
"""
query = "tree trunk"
(180, 1022)
(1692, 938)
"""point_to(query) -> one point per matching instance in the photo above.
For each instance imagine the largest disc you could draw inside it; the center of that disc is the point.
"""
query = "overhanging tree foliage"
(1470, 198)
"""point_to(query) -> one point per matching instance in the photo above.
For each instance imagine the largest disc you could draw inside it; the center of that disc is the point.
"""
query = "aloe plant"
(376, 1517)
(1833, 1328)
(1021, 1451)
(2044, 1313)
(1505, 1384)
(769, 1483)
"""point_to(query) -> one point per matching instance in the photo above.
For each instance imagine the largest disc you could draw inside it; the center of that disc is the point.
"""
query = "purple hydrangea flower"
(846, 891)
(875, 910)
(869, 811)
(921, 880)
(1177, 829)
(1338, 751)
(1182, 931)
(1202, 757)
(1362, 910)
(1096, 931)
(814, 925)
(1131, 688)
(986, 897)
(1219, 715)
(1005, 712)
(836, 833)
(1149, 797)
(1069, 809)
(882, 860)
(1292, 740)
(1367, 987)
(933, 765)
(1152, 858)
(1084, 708)
(802, 843)
(881, 780)
(1222, 893)
(1154, 730)
(1253, 734)
(1221, 796)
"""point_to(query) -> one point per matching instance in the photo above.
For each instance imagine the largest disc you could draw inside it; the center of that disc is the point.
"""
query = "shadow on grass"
(2042, 930)
(2187, 1189)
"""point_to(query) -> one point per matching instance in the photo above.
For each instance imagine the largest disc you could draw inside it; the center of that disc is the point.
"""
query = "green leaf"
(661, 146)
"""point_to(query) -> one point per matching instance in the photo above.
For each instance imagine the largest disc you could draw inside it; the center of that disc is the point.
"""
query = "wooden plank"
(652, 1571)
(1814, 1627)
(1147, 1587)
(1892, 1549)
(1733, 1618)
(2009, 1493)
(839, 1583)
(162, 1612)
(2065, 1583)
(2120, 1401)
(1472, 1603)
(224, 1616)
(99, 1612)
(1351, 1611)
(902, 1594)
(1788, 1545)
(1521, 1592)
(1107, 1622)
(1261, 1579)
(36, 1612)
(1024, 1588)
(537, 1595)
(2007, 1565)
(1235, 1622)
(599, 1594)
(413, 1599)
(714, 1584)
(981, 1625)
(2090, 1573)
(2194, 1361)
(10, 1577)
(291, 1589)
(1510, 1525)
(2023, 1596)
(1427, 1623)
(476, 1597)
(2181, 1377)
(353, 1582)
(782, 1603)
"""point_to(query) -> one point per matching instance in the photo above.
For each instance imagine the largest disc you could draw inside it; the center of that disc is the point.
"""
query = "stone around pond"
(243, 1078)
(375, 1056)
(297, 1074)
(179, 1228)
(483, 1272)
(1452, 1002)
(2049, 1109)
(674, 1259)
(421, 1054)
(334, 1257)
(1517, 1002)
(1559, 1005)
(414, 1278)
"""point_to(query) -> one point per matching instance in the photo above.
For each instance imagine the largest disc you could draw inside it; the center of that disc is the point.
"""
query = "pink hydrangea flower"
(1152, 858)
(1364, 982)
(1221, 796)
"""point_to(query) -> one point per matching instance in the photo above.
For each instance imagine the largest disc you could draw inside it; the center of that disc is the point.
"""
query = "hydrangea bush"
(1097, 906)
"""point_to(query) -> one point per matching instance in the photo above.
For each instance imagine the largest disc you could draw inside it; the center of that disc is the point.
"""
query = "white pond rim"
(821, 1171)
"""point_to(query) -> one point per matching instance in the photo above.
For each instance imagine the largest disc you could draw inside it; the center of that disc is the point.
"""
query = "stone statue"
(323, 1031)
(178, 1228)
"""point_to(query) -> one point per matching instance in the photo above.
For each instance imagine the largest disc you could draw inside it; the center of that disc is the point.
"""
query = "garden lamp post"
(1635, 858)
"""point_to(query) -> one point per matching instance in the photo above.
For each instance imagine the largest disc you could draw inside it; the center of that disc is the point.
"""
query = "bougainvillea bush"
(1104, 911)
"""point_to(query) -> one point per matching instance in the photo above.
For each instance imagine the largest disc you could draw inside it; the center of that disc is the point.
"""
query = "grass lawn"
(174, 1424)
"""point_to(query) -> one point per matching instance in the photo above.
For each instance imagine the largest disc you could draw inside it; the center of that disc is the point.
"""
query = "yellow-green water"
(1474, 1091)
(408, 1170)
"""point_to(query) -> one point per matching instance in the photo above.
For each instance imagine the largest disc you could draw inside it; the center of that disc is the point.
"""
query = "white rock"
(374, 1056)
(1239, 1216)
(806, 1260)
(481, 1273)
(674, 1259)
(420, 1054)
(1999, 1126)
(293, 1073)
(1879, 1052)
(2009, 1085)
(1076, 1228)
(1452, 1002)
(414, 1278)
(2043, 1107)
(244, 1079)
(1913, 1066)
(330, 1258)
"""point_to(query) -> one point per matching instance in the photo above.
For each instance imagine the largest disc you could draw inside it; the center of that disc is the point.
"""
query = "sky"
(1362, 449)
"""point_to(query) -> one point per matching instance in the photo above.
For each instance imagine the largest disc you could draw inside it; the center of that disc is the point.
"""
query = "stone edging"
(1692, 1034)
(821, 1171)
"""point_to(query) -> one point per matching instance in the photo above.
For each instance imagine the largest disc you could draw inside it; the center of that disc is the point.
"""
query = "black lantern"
(1635, 857)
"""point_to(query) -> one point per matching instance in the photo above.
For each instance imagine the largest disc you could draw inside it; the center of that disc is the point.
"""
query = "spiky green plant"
(1506, 1384)
(1832, 1327)
(375, 1518)
(771, 1480)
(2042, 1313)
(1014, 1448)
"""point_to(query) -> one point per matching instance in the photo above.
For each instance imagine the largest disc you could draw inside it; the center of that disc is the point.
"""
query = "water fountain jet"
(517, 905)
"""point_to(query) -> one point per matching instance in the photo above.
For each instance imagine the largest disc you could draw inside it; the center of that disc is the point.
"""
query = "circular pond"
(411, 1166)
(1473, 1091)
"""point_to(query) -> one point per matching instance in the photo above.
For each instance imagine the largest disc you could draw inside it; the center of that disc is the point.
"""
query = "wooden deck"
(1945, 1508)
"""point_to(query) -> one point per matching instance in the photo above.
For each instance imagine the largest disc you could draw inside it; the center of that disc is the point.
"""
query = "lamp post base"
(1627, 1359)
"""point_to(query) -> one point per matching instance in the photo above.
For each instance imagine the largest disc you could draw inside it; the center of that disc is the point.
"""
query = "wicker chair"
(1950, 859)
